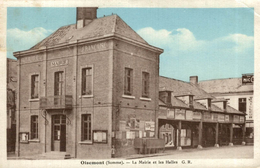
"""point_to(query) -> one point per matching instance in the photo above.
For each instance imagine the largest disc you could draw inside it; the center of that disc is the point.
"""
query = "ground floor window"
(34, 127)
(86, 127)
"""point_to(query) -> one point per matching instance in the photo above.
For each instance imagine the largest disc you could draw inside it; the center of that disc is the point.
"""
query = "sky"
(211, 43)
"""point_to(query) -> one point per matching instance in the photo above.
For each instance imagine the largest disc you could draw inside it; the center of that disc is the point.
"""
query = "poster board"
(100, 136)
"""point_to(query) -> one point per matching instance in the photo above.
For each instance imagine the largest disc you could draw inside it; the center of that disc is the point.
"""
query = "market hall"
(190, 117)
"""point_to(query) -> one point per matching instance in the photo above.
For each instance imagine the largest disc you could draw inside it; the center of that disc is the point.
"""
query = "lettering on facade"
(59, 63)
(196, 116)
(207, 116)
(35, 58)
(250, 108)
(189, 115)
(227, 118)
(170, 113)
(242, 119)
(93, 47)
(236, 118)
(215, 117)
(179, 114)
(221, 117)
(247, 79)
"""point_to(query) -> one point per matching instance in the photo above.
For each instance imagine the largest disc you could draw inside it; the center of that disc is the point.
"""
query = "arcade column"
(243, 134)
(216, 138)
(179, 136)
(200, 135)
(231, 135)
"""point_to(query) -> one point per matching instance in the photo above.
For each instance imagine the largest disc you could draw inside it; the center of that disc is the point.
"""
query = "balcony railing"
(56, 102)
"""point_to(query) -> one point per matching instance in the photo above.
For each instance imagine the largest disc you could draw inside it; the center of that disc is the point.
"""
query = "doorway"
(58, 133)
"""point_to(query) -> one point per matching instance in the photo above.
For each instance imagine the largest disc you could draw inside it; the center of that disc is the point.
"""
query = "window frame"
(128, 84)
(245, 104)
(62, 85)
(34, 135)
(89, 123)
(81, 80)
(145, 85)
(31, 98)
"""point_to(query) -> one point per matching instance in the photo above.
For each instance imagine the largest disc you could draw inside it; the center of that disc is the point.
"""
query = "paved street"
(225, 152)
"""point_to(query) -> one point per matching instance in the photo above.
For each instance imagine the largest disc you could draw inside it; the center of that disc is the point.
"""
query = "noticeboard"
(100, 136)
(24, 137)
(149, 126)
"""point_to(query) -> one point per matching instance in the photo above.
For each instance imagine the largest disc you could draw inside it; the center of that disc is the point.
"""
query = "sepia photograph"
(130, 86)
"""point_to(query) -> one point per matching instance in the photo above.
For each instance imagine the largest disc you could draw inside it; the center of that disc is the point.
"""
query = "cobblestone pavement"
(226, 152)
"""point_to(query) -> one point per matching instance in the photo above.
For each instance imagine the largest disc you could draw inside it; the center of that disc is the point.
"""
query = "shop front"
(179, 128)
(183, 128)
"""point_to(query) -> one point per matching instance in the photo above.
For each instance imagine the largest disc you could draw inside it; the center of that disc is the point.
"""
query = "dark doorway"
(58, 133)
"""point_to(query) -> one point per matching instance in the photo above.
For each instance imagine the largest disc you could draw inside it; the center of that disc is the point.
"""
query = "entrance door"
(58, 133)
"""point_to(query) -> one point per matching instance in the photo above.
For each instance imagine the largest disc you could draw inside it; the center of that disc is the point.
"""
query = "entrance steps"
(54, 155)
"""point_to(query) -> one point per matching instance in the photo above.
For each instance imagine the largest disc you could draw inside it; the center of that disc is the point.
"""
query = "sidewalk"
(176, 152)
(60, 156)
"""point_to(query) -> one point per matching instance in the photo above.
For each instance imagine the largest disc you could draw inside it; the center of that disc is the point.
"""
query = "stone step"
(55, 155)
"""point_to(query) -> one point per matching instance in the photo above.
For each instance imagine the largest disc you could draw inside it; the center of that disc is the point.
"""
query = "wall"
(99, 105)
(108, 60)
(133, 110)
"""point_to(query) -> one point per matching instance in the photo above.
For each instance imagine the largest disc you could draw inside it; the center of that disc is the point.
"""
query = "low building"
(88, 90)
(190, 117)
(239, 93)
(11, 104)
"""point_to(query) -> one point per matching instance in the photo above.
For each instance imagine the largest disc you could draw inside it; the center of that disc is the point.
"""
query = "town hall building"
(87, 88)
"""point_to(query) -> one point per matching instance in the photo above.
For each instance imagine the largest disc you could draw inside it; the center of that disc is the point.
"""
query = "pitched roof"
(99, 27)
(178, 87)
(181, 88)
(225, 86)
(178, 103)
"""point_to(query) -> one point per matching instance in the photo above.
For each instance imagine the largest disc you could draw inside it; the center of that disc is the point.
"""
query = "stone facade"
(106, 104)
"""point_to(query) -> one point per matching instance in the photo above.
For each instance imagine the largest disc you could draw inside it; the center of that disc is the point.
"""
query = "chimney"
(194, 80)
(85, 15)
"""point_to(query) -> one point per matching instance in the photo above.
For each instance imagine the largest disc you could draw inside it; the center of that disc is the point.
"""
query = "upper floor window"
(34, 127)
(145, 85)
(58, 83)
(35, 86)
(86, 127)
(242, 104)
(128, 89)
(87, 81)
